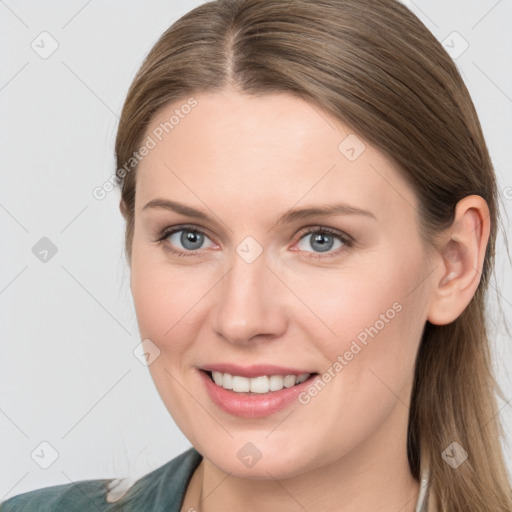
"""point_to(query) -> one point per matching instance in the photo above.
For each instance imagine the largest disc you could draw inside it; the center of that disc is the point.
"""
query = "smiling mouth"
(257, 385)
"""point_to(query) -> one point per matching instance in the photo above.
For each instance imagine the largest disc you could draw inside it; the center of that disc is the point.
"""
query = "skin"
(244, 161)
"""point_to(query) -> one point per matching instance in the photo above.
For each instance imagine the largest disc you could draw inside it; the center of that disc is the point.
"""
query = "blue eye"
(190, 239)
(321, 241)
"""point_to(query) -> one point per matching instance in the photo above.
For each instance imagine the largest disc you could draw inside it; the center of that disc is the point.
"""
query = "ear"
(122, 208)
(460, 258)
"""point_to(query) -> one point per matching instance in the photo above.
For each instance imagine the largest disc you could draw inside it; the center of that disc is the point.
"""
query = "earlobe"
(460, 260)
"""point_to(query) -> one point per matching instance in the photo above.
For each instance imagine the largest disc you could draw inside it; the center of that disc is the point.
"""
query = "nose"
(250, 303)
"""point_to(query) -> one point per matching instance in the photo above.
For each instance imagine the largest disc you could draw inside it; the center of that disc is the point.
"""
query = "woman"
(310, 224)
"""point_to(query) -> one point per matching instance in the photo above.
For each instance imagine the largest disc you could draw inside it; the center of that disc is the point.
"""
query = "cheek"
(166, 302)
(352, 303)
(367, 323)
(168, 307)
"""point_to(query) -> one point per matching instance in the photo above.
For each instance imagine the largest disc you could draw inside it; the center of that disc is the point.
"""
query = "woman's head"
(249, 110)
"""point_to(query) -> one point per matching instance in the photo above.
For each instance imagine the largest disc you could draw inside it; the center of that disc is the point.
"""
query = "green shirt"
(161, 490)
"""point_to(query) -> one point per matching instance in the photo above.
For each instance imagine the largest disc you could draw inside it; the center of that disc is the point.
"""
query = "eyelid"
(166, 232)
(325, 229)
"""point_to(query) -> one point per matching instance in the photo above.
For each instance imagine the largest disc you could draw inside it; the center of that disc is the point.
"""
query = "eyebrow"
(287, 217)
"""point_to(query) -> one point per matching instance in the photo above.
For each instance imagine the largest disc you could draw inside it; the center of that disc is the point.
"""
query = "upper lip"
(255, 370)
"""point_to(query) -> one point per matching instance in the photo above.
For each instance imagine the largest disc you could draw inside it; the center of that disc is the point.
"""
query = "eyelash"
(347, 241)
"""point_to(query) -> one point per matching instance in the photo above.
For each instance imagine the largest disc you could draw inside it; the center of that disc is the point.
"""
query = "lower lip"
(253, 405)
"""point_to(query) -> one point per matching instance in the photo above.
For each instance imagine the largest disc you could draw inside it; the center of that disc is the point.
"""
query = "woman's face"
(238, 291)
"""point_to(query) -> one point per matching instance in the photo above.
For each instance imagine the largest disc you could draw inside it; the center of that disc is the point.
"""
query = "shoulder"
(162, 489)
(79, 496)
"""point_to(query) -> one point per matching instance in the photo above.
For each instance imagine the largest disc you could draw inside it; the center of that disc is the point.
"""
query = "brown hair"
(378, 69)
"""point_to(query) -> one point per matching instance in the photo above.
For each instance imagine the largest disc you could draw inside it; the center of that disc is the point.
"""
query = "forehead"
(269, 151)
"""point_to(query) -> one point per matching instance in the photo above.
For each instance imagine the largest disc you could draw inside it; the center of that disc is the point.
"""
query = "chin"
(259, 459)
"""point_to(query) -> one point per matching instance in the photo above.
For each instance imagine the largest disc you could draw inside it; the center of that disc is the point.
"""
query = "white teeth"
(261, 384)
(217, 378)
(302, 377)
(240, 384)
(276, 383)
(227, 381)
(289, 381)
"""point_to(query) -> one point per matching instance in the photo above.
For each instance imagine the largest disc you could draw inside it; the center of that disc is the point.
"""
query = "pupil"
(324, 240)
(191, 239)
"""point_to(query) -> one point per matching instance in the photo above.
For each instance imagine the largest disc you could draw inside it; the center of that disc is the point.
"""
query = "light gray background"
(68, 373)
